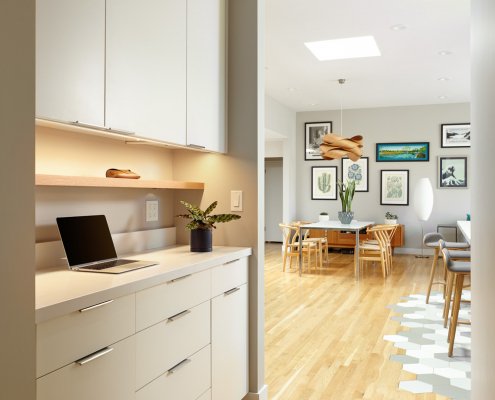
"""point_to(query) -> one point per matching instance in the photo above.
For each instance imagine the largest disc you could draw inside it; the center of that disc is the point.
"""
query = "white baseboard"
(261, 395)
(52, 254)
(407, 250)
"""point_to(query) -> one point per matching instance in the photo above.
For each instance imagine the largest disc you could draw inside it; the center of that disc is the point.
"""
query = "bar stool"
(458, 269)
(431, 240)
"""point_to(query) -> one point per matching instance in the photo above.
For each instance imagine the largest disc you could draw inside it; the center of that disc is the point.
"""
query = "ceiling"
(407, 73)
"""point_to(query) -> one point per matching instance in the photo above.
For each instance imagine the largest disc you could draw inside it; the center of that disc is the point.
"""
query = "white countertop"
(465, 228)
(336, 225)
(61, 291)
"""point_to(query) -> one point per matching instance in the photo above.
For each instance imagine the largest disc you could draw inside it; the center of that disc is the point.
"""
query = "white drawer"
(110, 376)
(186, 381)
(228, 276)
(63, 340)
(160, 302)
(205, 396)
(167, 343)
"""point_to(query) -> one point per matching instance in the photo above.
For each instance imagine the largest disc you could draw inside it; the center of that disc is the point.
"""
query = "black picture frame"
(398, 189)
(455, 135)
(319, 193)
(363, 162)
(313, 135)
(452, 172)
(403, 152)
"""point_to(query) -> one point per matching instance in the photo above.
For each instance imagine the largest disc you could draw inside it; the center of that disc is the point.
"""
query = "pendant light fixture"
(336, 146)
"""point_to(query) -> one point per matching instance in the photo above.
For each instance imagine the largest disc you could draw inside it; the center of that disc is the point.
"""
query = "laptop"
(89, 246)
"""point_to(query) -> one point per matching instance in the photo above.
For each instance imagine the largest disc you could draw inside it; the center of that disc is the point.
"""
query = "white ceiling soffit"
(408, 72)
(272, 135)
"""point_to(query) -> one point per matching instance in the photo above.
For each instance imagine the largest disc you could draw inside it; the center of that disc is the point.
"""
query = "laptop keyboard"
(107, 264)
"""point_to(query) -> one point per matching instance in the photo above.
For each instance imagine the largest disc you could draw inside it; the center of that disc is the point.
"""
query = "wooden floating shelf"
(92, 181)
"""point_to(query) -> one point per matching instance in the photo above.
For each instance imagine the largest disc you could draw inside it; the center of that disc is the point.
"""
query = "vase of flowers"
(346, 194)
(201, 225)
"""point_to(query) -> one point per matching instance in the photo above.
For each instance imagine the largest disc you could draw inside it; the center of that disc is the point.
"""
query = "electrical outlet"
(151, 210)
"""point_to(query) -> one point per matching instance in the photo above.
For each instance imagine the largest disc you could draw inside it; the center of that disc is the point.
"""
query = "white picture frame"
(394, 187)
(324, 183)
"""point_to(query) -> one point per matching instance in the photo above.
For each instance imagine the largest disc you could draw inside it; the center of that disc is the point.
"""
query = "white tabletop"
(465, 227)
(337, 225)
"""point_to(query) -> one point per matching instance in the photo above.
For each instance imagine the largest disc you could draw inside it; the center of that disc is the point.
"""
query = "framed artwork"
(314, 132)
(356, 171)
(394, 187)
(452, 172)
(410, 151)
(456, 135)
(324, 183)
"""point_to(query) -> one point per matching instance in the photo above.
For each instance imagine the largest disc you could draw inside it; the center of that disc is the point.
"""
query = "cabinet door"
(146, 68)
(206, 43)
(70, 57)
(229, 344)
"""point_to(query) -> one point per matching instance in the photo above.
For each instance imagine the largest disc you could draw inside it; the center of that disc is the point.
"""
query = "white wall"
(391, 124)
(17, 335)
(483, 194)
(281, 121)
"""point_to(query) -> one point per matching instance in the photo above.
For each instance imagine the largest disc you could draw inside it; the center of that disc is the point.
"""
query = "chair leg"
(459, 281)
(284, 261)
(432, 274)
(448, 297)
(384, 264)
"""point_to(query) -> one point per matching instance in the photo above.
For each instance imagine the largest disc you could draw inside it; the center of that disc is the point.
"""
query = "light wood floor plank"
(324, 331)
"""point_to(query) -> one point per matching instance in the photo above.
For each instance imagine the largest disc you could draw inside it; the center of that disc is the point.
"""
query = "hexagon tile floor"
(426, 347)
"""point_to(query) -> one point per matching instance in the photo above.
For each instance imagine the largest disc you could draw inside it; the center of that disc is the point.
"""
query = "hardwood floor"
(324, 331)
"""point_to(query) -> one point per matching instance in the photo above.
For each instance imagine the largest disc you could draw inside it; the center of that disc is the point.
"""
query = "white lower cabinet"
(186, 381)
(205, 396)
(108, 374)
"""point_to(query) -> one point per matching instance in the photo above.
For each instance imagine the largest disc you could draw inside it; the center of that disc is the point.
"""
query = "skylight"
(339, 49)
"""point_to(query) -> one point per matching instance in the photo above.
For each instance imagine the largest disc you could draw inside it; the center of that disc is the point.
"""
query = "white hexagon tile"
(425, 347)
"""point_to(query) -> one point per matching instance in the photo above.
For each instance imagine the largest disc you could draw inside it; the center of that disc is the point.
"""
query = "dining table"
(465, 228)
(354, 226)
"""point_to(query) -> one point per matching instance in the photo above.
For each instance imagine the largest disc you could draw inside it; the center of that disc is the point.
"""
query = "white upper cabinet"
(70, 60)
(206, 74)
(146, 68)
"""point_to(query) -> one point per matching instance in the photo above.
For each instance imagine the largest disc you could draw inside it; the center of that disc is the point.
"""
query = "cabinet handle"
(179, 315)
(179, 366)
(96, 306)
(94, 356)
(231, 262)
(196, 146)
(228, 292)
(90, 126)
(121, 131)
(179, 279)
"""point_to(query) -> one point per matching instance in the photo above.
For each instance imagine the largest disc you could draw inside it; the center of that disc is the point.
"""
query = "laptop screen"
(86, 239)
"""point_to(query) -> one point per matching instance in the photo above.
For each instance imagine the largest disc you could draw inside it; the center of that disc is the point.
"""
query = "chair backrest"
(432, 237)
(290, 232)
(380, 234)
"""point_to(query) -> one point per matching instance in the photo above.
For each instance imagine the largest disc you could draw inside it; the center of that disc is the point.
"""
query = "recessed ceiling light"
(443, 79)
(444, 53)
(313, 104)
(291, 89)
(398, 27)
(339, 49)
(442, 97)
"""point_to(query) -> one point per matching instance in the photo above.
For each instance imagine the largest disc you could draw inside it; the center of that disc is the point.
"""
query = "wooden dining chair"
(375, 250)
(386, 233)
(291, 247)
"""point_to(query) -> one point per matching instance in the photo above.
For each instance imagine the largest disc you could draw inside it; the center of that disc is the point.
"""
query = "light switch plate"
(151, 210)
(236, 200)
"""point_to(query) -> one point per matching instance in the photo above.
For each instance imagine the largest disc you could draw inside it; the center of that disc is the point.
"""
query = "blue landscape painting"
(403, 151)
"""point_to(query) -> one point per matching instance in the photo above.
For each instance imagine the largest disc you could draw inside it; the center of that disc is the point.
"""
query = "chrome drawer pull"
(231, 262)
(179, 279)
(179, 366)
(196, 146)
(179, 315)
(94, 356)
(121, 131)
(231, 291)
(96, 306)
(89, 126)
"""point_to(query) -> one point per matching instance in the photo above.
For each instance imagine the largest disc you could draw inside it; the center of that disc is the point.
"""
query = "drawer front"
(63, 340)
(160, 302)
(110, 376)
(228, 276)
(167, 343)
(187, 381)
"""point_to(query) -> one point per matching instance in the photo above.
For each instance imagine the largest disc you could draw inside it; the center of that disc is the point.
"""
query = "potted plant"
(323, 217)
(390, 219)
(346, 194)
(202, 223)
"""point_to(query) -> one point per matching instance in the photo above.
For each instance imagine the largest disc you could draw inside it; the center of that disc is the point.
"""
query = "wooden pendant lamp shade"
(335, 146)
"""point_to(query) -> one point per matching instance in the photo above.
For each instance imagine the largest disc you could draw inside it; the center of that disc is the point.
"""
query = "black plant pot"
(201, 240)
